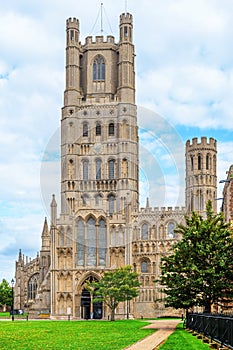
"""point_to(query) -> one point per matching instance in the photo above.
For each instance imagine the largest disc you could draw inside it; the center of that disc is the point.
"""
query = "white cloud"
(191, 95)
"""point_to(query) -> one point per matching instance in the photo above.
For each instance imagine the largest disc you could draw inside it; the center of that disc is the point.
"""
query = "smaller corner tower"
(126, 86)
(201, 178)
(73, 56)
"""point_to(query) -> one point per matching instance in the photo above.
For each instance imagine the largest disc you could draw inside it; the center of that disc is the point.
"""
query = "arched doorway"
(88, 309)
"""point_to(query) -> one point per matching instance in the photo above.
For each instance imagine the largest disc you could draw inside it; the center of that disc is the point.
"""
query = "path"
(165, 328)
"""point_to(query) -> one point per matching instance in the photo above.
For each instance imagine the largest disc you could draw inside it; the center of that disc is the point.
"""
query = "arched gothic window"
(91, 242)
(102, 243)
(207, 162)
(80, 242)
(199, 162)
(85, 129)
(144, 232)
(170, 229)
(98, 129)
(32, 286)
(111, 200)
(98, 169)
(111, 172)
(111, 129)
(192, 164)
(144, 266)
(85, 169)
(99, 68)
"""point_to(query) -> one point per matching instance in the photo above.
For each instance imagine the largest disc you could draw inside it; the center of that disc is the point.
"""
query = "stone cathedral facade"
(100, 226)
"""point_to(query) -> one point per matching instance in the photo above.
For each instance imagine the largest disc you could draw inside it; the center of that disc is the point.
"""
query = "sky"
(184, 89)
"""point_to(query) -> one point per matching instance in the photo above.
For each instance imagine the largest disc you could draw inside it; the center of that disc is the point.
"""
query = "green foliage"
(199, 271)
(181, 339)
(114, 287)
(5, 293)
(73, 335)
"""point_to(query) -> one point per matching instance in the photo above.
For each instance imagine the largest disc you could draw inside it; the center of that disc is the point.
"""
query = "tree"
(114, 287)
(199, 270)
(5, 293)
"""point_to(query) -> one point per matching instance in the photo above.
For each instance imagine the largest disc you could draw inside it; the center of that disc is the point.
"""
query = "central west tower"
(99, 124)
(99, 166)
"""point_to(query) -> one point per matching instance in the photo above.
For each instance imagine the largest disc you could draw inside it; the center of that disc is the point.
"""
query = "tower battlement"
(204, 142)
(72, 23)
(99, 39)
(126, 18)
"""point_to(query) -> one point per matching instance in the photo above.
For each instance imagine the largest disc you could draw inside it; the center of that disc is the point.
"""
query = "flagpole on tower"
(101, 18)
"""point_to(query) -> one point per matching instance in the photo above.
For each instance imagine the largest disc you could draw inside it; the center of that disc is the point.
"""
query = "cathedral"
(100, 226)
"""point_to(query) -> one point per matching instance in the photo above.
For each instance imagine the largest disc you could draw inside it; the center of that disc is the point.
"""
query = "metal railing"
(215, 327)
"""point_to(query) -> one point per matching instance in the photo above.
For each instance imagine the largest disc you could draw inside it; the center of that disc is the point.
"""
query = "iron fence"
(215, 327)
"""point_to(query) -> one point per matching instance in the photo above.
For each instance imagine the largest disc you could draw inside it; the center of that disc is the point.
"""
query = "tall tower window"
(90, 239)
(199, 162)
(32, 287)
(144, 232)
(111, 200)
(126, 31)
(91, 242)
(80, 242)
(170, 229)
(207, 162)
(99, 68)
(144, 266)
(98, 129)
(111, 129)
(111, 169)
(102, 243)
(85, 129)
(72, 35)
(85, 170)
(98, 169)
(192, 164)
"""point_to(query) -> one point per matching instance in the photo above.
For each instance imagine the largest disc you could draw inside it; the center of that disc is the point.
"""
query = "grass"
(181, 339)
(78, 335)
(8, 315)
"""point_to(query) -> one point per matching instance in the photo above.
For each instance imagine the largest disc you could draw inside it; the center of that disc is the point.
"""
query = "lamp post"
(12, 307)
(220, 199)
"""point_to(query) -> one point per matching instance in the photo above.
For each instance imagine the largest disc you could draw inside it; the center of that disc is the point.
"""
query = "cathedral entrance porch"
(90, 310)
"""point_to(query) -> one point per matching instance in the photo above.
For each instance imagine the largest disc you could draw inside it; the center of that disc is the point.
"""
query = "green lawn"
(78, 335)
(7, 315)
(181, 339)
